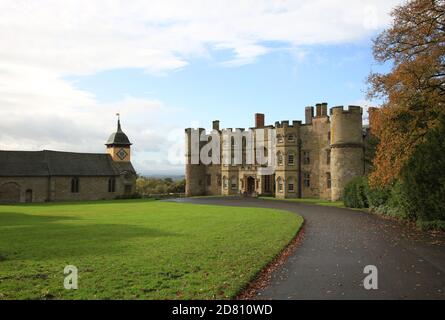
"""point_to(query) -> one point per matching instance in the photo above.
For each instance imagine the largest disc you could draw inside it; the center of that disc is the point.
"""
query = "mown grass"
(137, 249)
(320, 202)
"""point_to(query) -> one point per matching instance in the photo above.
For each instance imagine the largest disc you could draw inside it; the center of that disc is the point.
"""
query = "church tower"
(118, 145)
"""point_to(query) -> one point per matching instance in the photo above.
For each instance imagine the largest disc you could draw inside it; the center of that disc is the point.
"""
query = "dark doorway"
(250, 185)
(28, 195)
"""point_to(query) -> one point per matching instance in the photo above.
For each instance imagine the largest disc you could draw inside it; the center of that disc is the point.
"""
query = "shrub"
(424, 177)
(355, 193)
(400, 203)
(378, 196)
(431, 225)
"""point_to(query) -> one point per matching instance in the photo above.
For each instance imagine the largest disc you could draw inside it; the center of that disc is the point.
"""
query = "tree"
(424, 178)
(414, 90)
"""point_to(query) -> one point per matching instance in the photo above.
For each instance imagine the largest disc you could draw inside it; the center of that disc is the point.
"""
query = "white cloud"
(45, 41)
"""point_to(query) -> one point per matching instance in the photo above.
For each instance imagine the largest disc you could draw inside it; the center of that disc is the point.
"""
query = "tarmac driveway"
(337, 246)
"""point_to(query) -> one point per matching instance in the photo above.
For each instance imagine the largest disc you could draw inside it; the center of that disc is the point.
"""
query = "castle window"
(306, 157)
(75, 185)
(226, 183)
(280, 138)
(233, 184)
(307, 179)
(280, 184)
(328, 180)
(112, 185)
(329, 137)
(291, 160)
(328, 156)
(219, 180)
(291, 137)
(291, 187)
(280, 158)
(209, 180)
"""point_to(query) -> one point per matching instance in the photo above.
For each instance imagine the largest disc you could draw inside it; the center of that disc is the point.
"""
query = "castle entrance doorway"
(250, 185)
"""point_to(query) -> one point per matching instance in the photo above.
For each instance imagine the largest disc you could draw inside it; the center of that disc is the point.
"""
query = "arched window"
(280, 138)
(75, 185)
(280, 158)
(233, 183)
(112, 184)
(291, 138)
(328, 180)
(280, 184)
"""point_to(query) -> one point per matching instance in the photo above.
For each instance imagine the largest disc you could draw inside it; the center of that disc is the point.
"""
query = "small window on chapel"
(328, 156)
(112, 185)
(75, 185)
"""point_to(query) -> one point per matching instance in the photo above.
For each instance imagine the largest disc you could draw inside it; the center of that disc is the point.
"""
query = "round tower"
(346, 148)
(195, 172)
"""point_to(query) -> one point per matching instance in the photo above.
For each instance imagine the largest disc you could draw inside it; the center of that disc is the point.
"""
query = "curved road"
(339, 243)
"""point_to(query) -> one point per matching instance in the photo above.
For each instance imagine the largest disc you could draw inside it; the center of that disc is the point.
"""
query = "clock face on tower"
(122, 154)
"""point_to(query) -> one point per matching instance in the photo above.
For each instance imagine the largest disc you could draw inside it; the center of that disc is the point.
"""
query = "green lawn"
(137, 249)
(319, 202)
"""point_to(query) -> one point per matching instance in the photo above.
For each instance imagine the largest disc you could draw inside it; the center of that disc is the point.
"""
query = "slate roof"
(118, 138)
(54, 163)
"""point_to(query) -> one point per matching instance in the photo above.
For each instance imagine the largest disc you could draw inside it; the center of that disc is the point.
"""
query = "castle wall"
(333, 145)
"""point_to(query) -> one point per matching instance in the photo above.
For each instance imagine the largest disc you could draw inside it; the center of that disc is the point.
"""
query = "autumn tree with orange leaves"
(413, 91)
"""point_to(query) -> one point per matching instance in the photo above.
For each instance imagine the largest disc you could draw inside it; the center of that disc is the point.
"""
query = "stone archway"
(250, 185)
(9, 192)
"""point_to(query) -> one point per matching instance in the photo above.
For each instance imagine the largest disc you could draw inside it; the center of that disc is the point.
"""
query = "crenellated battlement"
(286, 124)
(341, 110)
(314, 158)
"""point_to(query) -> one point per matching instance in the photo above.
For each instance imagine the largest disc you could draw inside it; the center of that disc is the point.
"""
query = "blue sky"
(67, 67)
(277, 84)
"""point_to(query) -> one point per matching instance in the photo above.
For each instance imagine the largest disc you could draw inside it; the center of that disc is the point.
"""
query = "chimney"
(259, 120)
(373, 113)
(324, 109)
(318, 110)
(216, 125)
(309, 115)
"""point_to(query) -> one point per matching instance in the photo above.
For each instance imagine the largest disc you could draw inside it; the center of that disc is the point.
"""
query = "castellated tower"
(195, 171)
(346, 148)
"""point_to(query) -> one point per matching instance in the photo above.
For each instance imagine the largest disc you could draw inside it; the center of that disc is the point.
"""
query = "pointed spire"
(119, 129)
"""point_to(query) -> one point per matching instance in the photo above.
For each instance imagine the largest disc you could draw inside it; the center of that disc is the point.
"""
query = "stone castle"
(315, 159)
